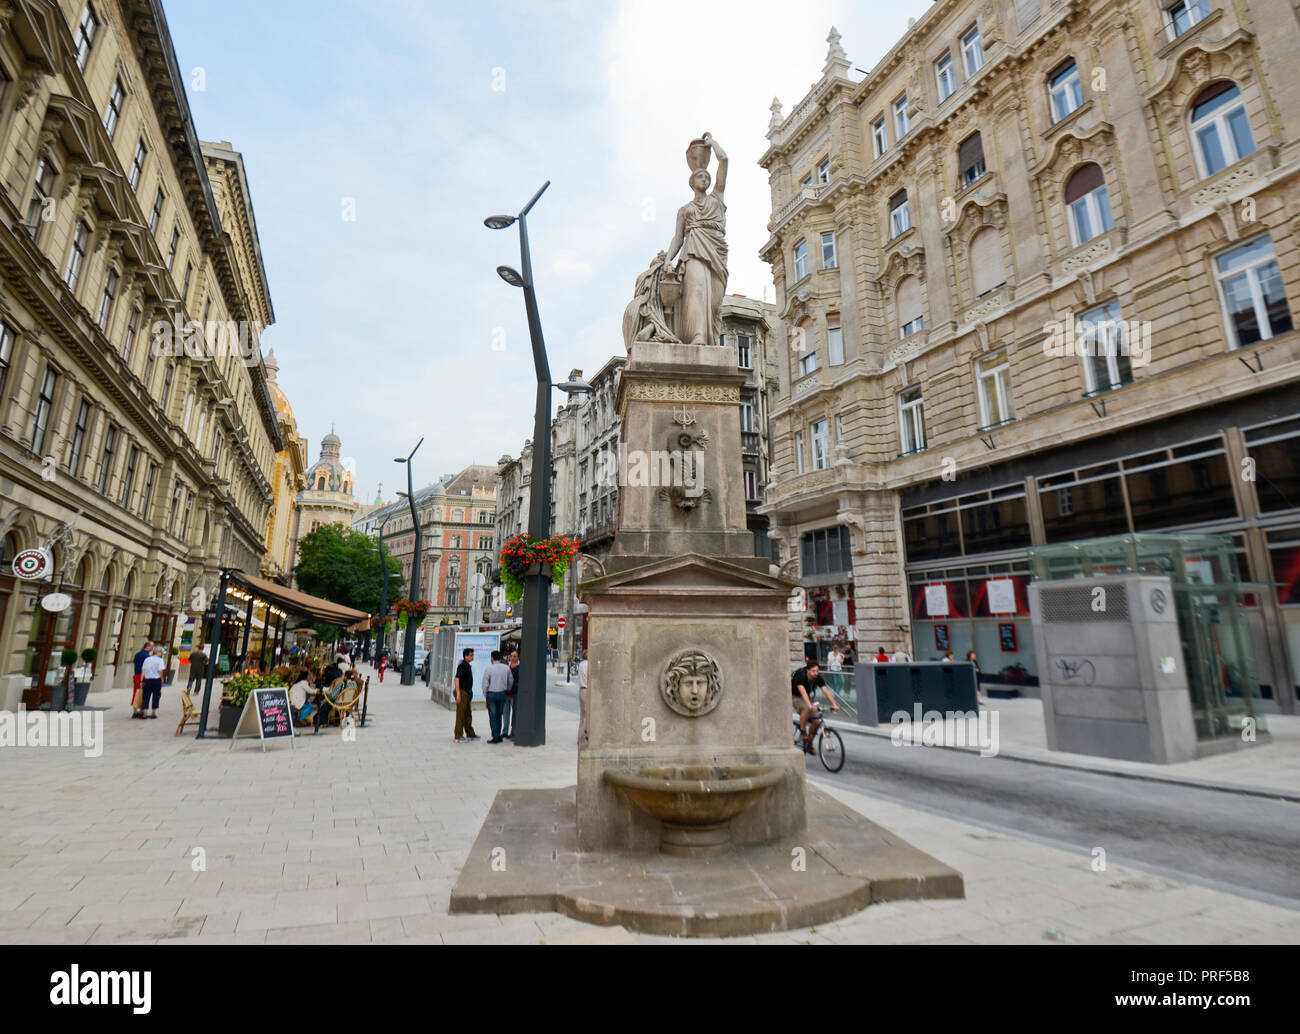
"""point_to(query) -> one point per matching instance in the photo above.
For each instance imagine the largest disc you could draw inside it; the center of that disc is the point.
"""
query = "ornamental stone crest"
(691, 683)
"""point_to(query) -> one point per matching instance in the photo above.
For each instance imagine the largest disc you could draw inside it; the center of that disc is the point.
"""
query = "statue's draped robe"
(704, 240)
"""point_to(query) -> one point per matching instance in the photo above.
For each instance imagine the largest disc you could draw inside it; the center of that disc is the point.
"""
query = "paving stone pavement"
(359, 842)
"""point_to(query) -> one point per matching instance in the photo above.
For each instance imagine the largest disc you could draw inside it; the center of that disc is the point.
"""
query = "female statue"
(701, 240)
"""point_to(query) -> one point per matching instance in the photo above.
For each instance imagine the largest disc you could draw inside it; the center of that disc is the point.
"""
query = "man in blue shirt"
(137, 696)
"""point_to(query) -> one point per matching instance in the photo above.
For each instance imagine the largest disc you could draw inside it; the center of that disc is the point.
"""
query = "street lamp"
(383, 598)
(530, 708)
(408, 653)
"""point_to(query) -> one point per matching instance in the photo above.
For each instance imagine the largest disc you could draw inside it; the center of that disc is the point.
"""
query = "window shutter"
(1027, 12)
(898, 199)
(986, 261)
(908, 300)
(1085, 181)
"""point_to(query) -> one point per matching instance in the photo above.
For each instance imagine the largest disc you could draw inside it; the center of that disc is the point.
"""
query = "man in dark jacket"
(511, 694)
(463, 688)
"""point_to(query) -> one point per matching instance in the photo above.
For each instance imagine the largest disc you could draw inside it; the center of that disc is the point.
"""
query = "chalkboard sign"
(941, 641)
(1007, 634)
(267, 714)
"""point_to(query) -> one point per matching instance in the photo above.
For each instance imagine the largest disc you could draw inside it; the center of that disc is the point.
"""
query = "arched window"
(907, 302)
(1088, 204)
(1064, 90)
(1220, 128)
(986, 270)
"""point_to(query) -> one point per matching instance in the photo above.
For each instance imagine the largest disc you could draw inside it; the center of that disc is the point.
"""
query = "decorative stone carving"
(691, 684)
(1229, 184)
(909, 349)
(658, 391)
(989, 305)
(777, 117)
(1087, 256)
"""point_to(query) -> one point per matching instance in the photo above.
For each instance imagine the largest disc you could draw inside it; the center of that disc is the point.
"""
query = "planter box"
(81, 690)
(59, 697)
(229, 720)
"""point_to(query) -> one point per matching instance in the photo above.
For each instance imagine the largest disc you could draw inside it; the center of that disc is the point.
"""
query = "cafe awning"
(291, 601)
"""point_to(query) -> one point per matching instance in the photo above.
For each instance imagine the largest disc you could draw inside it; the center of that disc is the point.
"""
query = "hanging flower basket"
(410, 610)
(524, 555)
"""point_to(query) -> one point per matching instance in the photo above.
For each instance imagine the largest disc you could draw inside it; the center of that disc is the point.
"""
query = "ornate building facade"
(1040, 270)
(327, 493)
(288, 479)
(140, 457)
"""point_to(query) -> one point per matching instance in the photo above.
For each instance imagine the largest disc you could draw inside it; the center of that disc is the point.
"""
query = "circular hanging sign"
(56, 601)
(33, 564)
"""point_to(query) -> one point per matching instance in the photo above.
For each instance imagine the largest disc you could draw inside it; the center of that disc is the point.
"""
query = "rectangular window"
(911, 327)
(132, 328)
(806, 181)
(156, 214)
(828, 251)
(900, 117)
(166, 386)
(826, 551)
(879, 137)
(820, 445)
(747, 416)
(1184, 14)
(106, 300)
(87, 26)
(42, 201)
(800, 260)
(1066, 91)
(1090, 216)
(972, 51)
(807, 363)
(185, 285)
(834, 340)
(44, 403)
(900, 215)
(137, 164)
(78, 438)
(7, 338)
(798, 452)
(993, 376)
(744, 349)
(171, 248)
(1254, 302)
(1102, 341)
(970, 159)
(147, 495)
(911, 418)
(751, 485)
(77, 254)
(128, 479)
(945, 77)
(824, 171)
(106, 458)
(113, 113)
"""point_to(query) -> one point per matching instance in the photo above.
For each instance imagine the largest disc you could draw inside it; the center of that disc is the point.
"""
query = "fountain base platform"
(526, 859)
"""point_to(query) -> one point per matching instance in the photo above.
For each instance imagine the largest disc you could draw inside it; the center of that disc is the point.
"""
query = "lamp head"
(510, 276)
(499, 222)
(575, 386)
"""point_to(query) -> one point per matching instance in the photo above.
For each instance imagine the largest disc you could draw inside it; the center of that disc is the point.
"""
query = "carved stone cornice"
(661, 391)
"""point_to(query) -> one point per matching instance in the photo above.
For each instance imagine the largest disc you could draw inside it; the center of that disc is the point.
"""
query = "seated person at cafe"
(302, 690)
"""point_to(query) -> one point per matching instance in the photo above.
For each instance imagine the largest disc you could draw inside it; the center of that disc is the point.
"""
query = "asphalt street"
(1234, 842)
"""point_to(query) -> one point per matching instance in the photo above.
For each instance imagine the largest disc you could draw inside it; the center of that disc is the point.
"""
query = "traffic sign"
(559, 622)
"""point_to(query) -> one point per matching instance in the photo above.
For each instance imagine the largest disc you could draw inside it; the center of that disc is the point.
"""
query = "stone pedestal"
(687, 655)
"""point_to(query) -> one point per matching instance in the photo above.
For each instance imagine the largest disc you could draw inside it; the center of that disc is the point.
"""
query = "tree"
(341, 565)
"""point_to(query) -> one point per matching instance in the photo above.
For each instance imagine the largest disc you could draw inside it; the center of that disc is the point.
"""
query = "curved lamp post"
(408, 652)
(530, 708)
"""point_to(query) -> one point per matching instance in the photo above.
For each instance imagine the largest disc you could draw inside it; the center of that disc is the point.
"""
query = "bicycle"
(829, 743)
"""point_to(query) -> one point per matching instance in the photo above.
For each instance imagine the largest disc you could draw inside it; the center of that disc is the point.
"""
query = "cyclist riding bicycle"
(803, 688)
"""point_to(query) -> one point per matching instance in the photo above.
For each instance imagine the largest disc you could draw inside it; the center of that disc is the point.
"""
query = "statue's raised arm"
(720, 180)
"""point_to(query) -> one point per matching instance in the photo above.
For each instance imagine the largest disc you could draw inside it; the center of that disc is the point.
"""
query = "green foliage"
(341, 565)
(89, 654)
(67, 657)
(237, 689)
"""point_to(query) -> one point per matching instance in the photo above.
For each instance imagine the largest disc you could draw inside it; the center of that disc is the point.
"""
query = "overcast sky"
(423, 118)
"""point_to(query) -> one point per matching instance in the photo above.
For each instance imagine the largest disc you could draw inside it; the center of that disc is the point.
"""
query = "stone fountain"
(691, 814)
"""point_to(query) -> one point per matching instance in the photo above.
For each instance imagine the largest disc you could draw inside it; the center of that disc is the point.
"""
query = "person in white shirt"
(835, 668)
(901, 656)
(151, 672)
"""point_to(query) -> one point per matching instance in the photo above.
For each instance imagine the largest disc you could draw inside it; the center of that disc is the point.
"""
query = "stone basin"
(695, 802)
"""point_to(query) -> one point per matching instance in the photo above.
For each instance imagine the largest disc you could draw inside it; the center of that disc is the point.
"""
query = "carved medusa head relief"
(692, 683)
